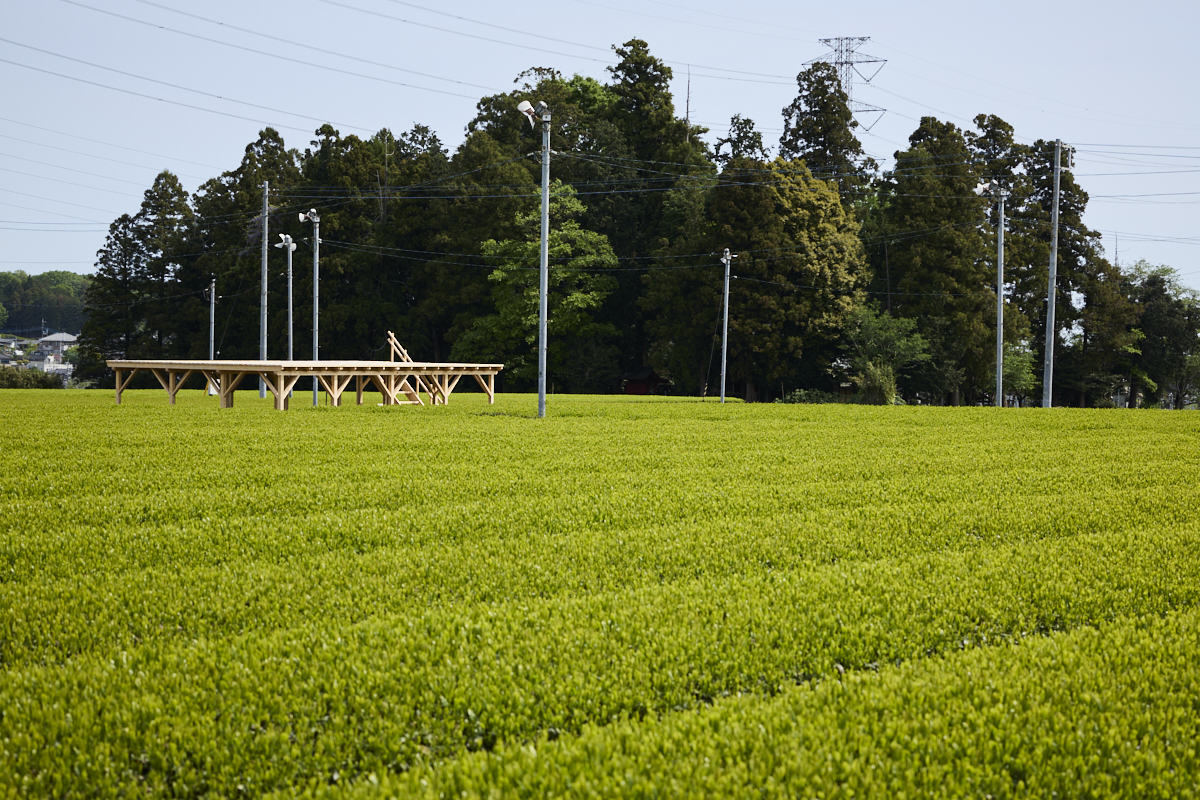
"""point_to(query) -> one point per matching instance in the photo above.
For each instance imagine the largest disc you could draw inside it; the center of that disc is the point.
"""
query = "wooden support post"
(358, 387)
(286, 384)
(450, 384)
(228, 383)
(123, 385)
(274, 382)
(386, 383)
(334, 385)
(175, 381)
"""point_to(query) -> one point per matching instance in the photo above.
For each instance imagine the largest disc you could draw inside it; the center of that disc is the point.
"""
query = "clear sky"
(100, 95)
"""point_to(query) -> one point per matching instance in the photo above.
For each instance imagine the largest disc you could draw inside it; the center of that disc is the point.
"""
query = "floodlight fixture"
(532, 112)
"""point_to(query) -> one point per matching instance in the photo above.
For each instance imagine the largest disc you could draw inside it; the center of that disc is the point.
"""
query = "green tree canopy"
(818, 127)
(581, 350)
(936, 250)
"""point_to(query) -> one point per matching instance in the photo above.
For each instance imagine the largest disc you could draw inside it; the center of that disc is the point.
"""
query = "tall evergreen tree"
(743, 141)
(818, 127)
(937, 258)
(800, 273)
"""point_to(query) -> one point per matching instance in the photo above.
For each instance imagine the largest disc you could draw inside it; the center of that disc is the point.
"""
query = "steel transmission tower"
(845, 58)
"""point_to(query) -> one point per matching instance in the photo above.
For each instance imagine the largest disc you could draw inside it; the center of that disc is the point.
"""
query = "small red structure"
(645, 381)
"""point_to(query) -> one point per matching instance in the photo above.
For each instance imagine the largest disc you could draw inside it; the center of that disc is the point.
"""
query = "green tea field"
(635, 597)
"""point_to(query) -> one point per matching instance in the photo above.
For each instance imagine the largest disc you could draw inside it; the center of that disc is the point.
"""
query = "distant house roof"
(59, 337)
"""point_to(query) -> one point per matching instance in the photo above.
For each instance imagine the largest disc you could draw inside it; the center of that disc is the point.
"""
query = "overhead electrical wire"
(71, 169)
(68, 183)
(381, 15)
(287, 58)
(106, 144)
(539, 37)
(148, 96)
(170, 85)
(90, 155)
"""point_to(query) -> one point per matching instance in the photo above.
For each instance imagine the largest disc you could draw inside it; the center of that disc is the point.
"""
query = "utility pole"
(212, 327)
(262, 300)
(1051, 333)
(726, 259)
(315, 218)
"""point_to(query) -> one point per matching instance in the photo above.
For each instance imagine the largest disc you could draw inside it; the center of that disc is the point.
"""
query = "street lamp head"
(526, 108)
(531, 111)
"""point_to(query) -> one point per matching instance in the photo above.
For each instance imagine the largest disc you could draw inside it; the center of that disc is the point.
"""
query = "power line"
(148, 96)
(285, 58)
(68, 183)
(52, 200)
(89, 155)
(71, 169)
(106, 144)
(529, 47)
(177, 86)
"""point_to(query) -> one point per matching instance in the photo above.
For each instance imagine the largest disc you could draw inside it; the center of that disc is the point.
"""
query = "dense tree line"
(844, 274)
(52, 301)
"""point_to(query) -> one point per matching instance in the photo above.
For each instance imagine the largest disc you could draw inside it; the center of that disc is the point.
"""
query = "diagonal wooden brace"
(123, 385)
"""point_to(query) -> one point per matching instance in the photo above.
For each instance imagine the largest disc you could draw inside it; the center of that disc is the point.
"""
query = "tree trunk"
(751, 395)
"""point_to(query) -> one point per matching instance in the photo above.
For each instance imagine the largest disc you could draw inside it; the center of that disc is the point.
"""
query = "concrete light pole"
(994, 189)
(726, 260)
(212, 328)
(1051, 332)
(262, 314)
(311, 215)
(542, 110)
(289, 247)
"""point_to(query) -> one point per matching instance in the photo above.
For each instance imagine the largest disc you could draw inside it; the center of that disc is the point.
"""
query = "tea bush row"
(1098, 712)
(292, 707)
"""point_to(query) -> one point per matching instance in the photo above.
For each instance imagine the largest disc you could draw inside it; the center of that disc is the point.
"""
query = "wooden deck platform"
(400, 382)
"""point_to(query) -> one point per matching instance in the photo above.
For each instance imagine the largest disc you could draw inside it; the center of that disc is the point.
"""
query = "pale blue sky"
(1096, 73)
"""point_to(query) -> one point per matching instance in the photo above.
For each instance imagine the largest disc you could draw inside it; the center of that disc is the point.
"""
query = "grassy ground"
(833, 599)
